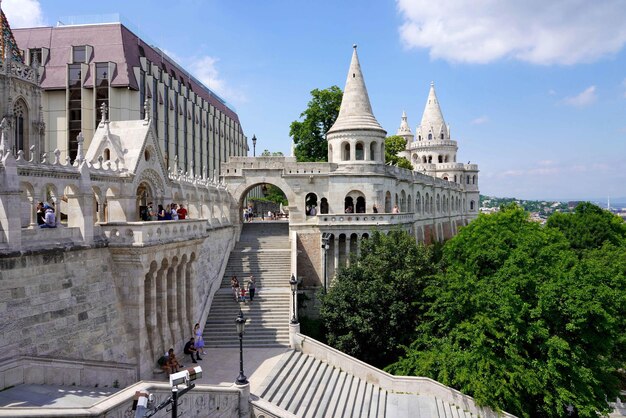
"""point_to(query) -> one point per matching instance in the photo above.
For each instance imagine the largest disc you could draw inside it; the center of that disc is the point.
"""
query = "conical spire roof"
(432, 116)
(355, 112)
(404, 128)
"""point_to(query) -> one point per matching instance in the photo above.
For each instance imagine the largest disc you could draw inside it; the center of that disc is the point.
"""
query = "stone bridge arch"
(239, 187)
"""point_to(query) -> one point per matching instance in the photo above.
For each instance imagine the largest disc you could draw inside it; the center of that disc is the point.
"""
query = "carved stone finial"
(146, 110)
(32, 154)
(57, 155)
(4, 125)
(103, 112)
(20, 155)
(79, 153)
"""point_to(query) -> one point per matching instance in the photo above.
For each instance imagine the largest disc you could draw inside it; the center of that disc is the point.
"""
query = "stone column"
(348, 250)
(172, 311)
(181, 298)
(161, 312)
(336, 253)
(150, 315)
(244, 400)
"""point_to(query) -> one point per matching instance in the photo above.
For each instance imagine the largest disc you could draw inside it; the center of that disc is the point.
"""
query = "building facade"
(83, 67)
(356, 192)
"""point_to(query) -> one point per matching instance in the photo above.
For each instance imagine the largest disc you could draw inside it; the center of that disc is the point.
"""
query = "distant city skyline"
(534, 93)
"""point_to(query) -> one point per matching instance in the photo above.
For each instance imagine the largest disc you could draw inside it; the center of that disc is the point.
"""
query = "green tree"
(275, 194)
(516, 320)
(589, 227)
(309, 135)
(393, 145)
(369, 311)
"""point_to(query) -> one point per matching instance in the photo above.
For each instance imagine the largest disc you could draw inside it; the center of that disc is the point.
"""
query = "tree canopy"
(319, 117)
(519, 321)
(393, 145)
(589, 227)
(369, 311)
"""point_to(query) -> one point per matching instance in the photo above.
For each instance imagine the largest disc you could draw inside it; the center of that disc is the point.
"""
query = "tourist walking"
(234, 283)
(199, 341)
(251, 287)
(174, 212)
(182, 212)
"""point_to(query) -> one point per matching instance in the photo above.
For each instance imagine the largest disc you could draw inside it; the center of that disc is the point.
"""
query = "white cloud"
(480, 120)
(584, 98)
(205, 69)
(545, 163)
(23, 13)
(535, 31)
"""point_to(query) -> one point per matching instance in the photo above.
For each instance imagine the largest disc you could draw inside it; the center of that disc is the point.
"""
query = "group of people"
(46, 218)
(193, 347)
(171, 212)
(240, 293)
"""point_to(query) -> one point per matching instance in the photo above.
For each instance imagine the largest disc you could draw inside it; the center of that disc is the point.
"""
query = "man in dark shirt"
(191, 350)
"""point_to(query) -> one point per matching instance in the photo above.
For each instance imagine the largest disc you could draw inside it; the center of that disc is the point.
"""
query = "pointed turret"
(432, 119)
(355, 111)
(356, 137)
(405, 131)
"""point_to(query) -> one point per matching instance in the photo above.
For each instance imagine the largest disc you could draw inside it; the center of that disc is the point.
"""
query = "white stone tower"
(356, 137)
(434, 152)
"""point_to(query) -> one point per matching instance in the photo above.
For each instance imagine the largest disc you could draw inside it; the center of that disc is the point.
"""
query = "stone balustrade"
(19, 70)
(139, 234)
(389, 382)
(364, 218)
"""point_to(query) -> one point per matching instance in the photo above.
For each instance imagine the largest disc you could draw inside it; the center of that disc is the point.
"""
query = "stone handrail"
(203, 400)
(67, 372)
(428, 143)
(366, 219)
(389, 382)
(139, 234)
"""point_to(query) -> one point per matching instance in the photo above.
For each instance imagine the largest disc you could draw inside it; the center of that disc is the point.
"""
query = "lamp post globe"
(240, 323)
(293, 283)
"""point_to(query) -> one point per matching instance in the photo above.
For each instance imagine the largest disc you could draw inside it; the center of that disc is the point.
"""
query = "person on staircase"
(242, 294)
(251, 287)
(234, 283)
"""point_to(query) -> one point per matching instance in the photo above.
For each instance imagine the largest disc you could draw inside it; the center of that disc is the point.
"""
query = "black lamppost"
(240, 322)
(325, 246)
(254, 145)
(293, 283)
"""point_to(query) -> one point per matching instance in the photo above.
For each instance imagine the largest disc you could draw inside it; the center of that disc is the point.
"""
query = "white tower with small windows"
(356, 137)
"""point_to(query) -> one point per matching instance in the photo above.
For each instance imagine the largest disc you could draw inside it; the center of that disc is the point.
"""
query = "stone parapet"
(391, 383)
(139, 234)
(65, 372)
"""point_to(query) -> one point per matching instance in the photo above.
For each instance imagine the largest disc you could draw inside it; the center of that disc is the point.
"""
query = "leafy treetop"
(320, 115)
(393, 145)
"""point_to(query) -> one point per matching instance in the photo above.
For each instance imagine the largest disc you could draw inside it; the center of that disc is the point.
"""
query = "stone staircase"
(307, 387)
(263, 250)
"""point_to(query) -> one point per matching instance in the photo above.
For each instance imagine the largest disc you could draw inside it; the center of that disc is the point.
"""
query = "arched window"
(473, 179)
(373, 151)
(348, 206)
(472, 205)
(402, 201)
(418, 203)
(427, 203)
(388, 202)
(455, 178)
(346, 152)
(446, 159)
(468, 179)
(440, 159)
(419, 137)
(360, 204)
(409, 204)
(424, 159)
(430, 136)
(20, 110)
(107, 154)
(324, 205)
(358, 151)
(442, 135)
(310, 202)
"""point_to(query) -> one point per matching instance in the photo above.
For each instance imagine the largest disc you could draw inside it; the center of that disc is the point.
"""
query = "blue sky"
(534, 91)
